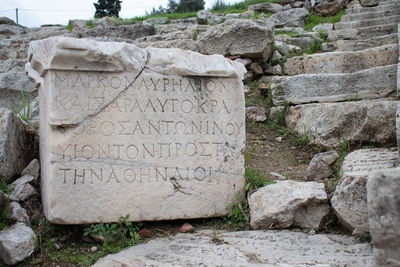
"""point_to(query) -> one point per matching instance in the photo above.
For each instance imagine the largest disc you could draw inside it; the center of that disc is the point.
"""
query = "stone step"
(366, 23)
(379, 8)
(245, 248)
(328, 124)
(350, 198)
(342, 62)
(350, 45)
(362, 33)
(371, 83)
(369, 15)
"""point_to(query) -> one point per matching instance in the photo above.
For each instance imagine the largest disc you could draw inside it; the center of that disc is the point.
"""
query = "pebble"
(93, 249)
(186, 227)
(57, 246)
(277, 175)
(279, 139)
(312, 232)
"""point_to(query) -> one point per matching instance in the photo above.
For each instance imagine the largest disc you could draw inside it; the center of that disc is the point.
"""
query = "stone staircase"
(349, 92)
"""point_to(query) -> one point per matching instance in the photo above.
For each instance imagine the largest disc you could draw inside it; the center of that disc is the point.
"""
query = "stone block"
(154, 133)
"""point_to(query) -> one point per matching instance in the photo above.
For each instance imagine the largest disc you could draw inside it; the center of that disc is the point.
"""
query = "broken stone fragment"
(321, 166)
(288, 203)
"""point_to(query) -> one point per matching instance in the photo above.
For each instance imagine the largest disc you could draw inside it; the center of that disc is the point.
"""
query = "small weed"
(69, 27)
(303, 139)
(365, 238)
(5, 187)
(239, 215)
(323, 34)
(90, 24)
(25, 112)
(289, 33)
(355, 98)
(255, 16)
(343, 149)
(314, 20)
(315, 48)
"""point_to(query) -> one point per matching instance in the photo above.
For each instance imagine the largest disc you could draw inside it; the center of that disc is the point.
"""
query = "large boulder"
(327, 124)
(15, 145)
(17, 242)
(383, 189)
(349, 200)
(329, 7)
(288, 203)
(296, 17)
(239, 37)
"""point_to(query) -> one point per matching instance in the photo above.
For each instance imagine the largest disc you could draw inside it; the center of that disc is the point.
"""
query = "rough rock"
(351, 45)
(161, 20)
(77, 23)
(16, 213)
(266, 7)
(256, 68)
(17, 81)
(342, 62)
(286, 49)
(288, 203)
(256, 113)
(329, 7)
(371, 83)
(106, 21)
(296, 17)
(131, 32)
(349, 200)
(383, 189)
(297, 4)
(15, 145)
(17, 242)
(245, 61)
(286, 7)
(33, 169)
(184, 21)
(5, 20)
(329, 123)
(321, 166)
(369, 15)
(366, 23)
(23, 190)
(191, 182)
(245, 38)
(369, 3)
(275, 70)
(323, 27)
(245, 248)
(10, 30)
(362, 34)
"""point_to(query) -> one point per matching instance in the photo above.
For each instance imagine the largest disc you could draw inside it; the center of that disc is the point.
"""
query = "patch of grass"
(69, 27)
(220, 6)
(90, 24)
(289, 33)
(315, 48)
(5, 187)
(314, 19)
(171, 16)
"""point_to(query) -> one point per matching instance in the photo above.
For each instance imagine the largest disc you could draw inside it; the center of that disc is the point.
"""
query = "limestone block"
(288, 203)
(154, 133)
(328, 124)
(350, 198)
(296, 17)
(15, 145)
(17, 242)
(383, 189)
(246, 38)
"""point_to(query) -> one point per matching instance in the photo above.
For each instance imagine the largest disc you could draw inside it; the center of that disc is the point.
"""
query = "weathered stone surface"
(10, 30)
(186, 44)
(15, 145)
(369, 2)
(266, 7)
(372, 83)
(321, 166)
(16, 213)
(350, 198)
(352, 45)
(77, 23)
(161, 20)
(369, 15)
(362, 33)
(33, 169)
(238, 37)
(329, 7)
(12, 65)
(383, 189)
(286, 49)
(256, 113)
(15, 81)
(5, 20)
(131, 32)
(329, 123)
(288, 203)
(138, 131)
(17, 242)
(184, 21)
(382, 7)
(246, 248)
(366, 23)
(323, 27)
(23, 190)
(296, 17)
(342, 62)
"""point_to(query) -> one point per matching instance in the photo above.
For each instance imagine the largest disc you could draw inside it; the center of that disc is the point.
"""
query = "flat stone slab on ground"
(247, 248)
(154, 133)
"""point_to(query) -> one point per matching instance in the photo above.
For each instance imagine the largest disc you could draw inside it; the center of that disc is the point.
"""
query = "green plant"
(303, 139)
(239, 211)
(343, 149)
(355, 98)
(90, 24)
(25, 112)
(69, 27)
(314, 48)
(5, 187)
(314, 20)
(324, 35)
(122, 231)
